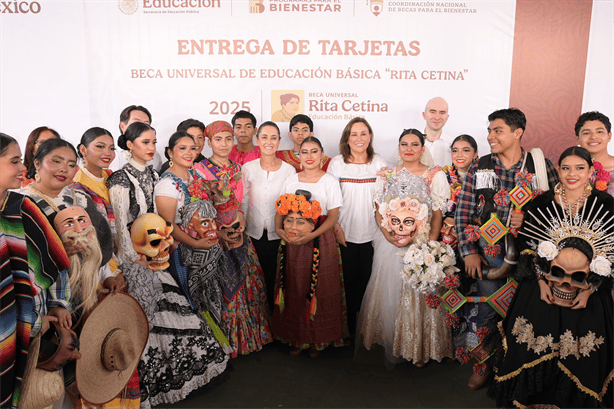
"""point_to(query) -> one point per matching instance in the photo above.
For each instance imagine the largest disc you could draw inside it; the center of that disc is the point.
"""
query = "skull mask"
(402, 218)
(151, 238)
(567, 275)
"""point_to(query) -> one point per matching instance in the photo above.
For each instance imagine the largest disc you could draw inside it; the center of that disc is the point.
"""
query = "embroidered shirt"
(468, 200)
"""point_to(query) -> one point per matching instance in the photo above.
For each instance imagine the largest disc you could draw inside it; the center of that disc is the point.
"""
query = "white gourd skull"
(151, 238)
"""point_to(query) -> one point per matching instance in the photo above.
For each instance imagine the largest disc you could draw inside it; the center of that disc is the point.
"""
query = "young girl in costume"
(310, 310)
(131, 189)
(558, 334)
(175, 190)
(244, 313)
(31, 264)
(394, 314)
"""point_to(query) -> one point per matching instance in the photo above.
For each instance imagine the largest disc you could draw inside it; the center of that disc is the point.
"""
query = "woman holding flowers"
(244, 313)
(394, 312)
(310, 310)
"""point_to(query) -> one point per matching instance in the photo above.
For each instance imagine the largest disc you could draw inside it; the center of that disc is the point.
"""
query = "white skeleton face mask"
(151, 238)
(567, 275)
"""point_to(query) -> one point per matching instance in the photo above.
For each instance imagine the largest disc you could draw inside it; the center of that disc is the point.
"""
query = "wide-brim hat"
(40, 388)
(112, 342)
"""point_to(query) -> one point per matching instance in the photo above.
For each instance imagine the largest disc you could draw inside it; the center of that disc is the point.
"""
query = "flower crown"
(585, 224)
(291, 203)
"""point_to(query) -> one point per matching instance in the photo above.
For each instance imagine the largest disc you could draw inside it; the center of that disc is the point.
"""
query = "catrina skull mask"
(151, 238)
(567, 276)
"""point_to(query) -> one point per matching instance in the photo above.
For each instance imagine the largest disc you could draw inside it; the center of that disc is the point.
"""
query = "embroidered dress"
(182, 354)
(195, 281)
(294, 325)
(555, 356)
(131, 192)
(31, 258)
(291, 158)
(393, 314)
(244, 314)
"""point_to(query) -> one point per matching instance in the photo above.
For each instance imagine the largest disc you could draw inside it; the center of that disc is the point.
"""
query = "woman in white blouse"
(262, 182)
(310, 304)
(356, 168)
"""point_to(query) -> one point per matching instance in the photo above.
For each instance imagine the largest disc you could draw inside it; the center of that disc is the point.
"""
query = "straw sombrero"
(112, 341)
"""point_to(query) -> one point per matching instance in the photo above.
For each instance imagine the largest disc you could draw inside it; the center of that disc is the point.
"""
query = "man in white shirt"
(134, 113)
(437, 141)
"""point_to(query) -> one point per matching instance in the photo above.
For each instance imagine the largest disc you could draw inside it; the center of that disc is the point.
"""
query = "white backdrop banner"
(84, 61)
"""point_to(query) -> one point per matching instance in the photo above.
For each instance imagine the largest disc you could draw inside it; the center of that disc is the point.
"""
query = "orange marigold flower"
(304, 206)
(294, 206)
(601, 185)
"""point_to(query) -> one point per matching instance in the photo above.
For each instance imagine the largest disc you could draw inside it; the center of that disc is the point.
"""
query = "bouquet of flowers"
(428, 264)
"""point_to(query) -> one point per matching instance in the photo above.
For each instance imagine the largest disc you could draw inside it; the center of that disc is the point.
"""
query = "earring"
(301, 165)
(37, 177)
(85, 163)
(170, 164)
(128, 154)
(588, 188)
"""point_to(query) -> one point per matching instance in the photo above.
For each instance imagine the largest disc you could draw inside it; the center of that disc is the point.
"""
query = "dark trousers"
(357, 260)
(267, 255)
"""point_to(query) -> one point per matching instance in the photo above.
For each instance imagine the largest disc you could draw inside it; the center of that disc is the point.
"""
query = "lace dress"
(393, 314)
(182, 353)
(131, 190)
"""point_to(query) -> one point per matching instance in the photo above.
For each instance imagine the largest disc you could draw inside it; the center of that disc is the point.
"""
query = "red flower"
(452, 320)
(603, 175)
(452, 282)
(480, 369)
(492, 251)
(482, 332)
(462, 355)
(472, 233)
(597, 166)
(433, 301)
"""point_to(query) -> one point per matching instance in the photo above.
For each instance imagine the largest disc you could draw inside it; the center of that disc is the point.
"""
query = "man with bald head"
(437, 141)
